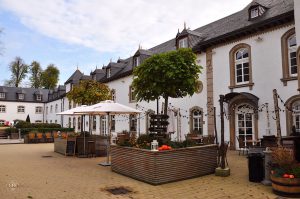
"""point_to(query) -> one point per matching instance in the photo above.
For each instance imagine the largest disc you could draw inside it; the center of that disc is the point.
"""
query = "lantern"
(154, 145)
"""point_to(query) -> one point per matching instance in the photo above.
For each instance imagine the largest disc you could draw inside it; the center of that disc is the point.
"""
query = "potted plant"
(285, 172)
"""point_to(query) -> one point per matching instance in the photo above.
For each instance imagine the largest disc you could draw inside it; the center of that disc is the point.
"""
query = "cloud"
(117, 26)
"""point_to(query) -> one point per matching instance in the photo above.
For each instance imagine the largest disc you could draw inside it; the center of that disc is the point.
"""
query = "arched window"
(132, 122)
(79, 123)
(94, 122)
(289, 56)
(74, 123)
(69, 122)
(196, 120)
(51, 109)
(241, 63)
(113, 94)
(56, 108)
(240, 66)
(292, 48)
(2, 108)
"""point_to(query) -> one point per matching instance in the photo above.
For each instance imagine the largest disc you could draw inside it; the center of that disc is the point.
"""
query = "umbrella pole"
(83, 126)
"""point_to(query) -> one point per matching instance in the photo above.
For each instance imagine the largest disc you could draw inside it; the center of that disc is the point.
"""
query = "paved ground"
(11, 141)
(25, 173)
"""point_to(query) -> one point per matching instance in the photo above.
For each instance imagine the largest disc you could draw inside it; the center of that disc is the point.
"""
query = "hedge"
(40, 130)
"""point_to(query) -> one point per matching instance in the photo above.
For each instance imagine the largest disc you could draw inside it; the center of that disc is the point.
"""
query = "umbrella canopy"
(107, 107)
(73, 110)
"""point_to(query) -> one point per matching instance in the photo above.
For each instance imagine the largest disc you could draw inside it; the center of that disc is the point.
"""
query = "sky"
(86, 34)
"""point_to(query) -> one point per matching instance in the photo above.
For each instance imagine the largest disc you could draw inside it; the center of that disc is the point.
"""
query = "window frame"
(21, 96)
(232, 65)
(133, 123)
(2, 108)
(2, 95)
(20, 109)
(38, 110)
(132, 97)
(113, 94)
(38, 97)
(200, 120)
(242, 62)
(286, 74)
(183, 43)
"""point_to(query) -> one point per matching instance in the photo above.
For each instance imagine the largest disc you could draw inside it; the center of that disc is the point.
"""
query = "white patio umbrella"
(108, 107)
(73, 112)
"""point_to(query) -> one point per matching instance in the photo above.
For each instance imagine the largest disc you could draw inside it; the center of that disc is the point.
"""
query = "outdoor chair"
(32, 138)
(49, 137)
(242, 146)
(40, 137)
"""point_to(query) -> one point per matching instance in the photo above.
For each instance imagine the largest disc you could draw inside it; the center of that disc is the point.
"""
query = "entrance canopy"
(229, 96)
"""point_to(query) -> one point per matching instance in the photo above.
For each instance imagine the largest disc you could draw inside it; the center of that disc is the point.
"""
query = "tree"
(50, 77)
(89, 92)
(171, 74)
(36, 73)
(18, 71)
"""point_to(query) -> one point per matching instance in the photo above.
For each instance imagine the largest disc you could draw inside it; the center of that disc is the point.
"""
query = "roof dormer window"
(38, 97)
(256, 11)
(136, 61)
(108, 73)
(21, 96)
(2, 95)
(183, 43)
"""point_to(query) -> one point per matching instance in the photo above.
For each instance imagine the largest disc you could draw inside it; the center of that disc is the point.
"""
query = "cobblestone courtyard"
(35, 171)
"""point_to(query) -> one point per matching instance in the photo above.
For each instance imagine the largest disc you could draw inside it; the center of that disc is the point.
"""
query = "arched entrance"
(293, 114)
(242, 116)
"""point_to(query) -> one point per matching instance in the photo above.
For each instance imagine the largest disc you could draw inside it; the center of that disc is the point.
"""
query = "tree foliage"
(50, 77)
(89, 92)
(36, 73)
(18, 70)
(171, 74)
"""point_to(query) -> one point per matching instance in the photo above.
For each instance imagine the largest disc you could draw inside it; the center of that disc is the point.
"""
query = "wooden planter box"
(159, 167)
(286, 186)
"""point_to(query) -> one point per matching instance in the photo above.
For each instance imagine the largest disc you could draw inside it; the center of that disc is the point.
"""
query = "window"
(38, 97)
(94, 123)
(2, 122)
(56, 108)
(2, 95)
(74, 123)
(21, 109)
(136, 61)
(132, 122)
(108, 73)
(289, 56)
(51, 109)
(131, 94)
(50, 121)
(113, 95)
(113, 123)
(240, 66)
(21, 96)
(254, 12)
(69, 122)
(38, 121)
(79, 123)
(183, 43)
(38, 110)
(2, 108)
(292, 48)
(70, 104)
(55, 121)
(196, 120)
(103, 125)
(47, 110)
(296, 116)
(148, 118)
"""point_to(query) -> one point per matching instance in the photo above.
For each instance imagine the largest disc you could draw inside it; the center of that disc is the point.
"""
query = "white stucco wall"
(12, 113)
(267, 71)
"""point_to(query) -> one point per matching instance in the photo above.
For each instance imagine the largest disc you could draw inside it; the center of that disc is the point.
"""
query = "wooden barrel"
(286, 186)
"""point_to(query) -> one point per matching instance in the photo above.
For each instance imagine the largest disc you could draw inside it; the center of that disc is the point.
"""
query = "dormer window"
(136, 61)
(2, 95)
(38, 97)
(108, 73)
(183, 43)
(256, 11)
(21, 96)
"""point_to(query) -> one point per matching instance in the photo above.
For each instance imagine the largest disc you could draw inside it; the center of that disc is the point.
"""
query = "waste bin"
(256, 167)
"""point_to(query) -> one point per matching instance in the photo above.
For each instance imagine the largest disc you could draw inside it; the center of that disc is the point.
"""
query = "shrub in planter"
(285, 173)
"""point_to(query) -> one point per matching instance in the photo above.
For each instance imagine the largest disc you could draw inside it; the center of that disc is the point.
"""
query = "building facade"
(244, 57)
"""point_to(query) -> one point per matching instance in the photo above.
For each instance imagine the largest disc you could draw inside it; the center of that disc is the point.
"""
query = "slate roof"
(225, 29)
(75, 77)
(29, 94)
